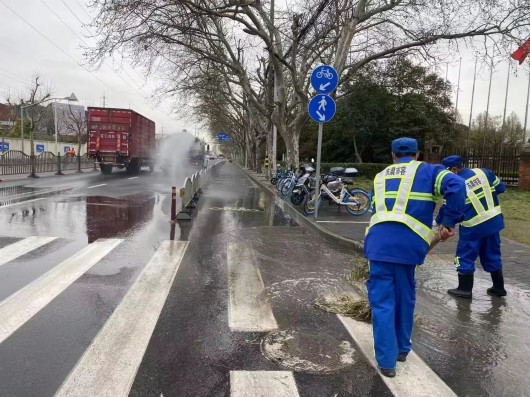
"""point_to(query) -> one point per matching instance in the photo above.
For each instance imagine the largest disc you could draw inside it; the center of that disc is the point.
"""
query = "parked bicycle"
(356, 201)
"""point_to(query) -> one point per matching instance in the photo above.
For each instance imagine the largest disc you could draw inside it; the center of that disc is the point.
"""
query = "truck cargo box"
(120, 138)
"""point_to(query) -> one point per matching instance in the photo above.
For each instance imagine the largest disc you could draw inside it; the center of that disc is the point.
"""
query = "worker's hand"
(445, 232)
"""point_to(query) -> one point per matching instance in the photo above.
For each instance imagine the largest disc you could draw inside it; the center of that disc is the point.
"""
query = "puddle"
(108, 217)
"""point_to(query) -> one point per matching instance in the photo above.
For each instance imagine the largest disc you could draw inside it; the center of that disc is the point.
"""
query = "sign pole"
(317, 176)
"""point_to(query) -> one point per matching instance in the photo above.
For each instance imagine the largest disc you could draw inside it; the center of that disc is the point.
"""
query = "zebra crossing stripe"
(22, 247)
(21, 306)
(109, 365)
(263, 384)
(414, 377)
(248, 307)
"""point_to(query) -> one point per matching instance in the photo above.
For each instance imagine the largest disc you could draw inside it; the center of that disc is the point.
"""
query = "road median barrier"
(191, 190)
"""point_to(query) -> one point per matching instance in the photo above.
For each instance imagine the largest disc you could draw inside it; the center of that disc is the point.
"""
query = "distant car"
(221, 156)
(211, 157)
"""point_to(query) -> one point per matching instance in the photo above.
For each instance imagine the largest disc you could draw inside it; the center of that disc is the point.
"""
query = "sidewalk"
(22, 179)
(516, 256)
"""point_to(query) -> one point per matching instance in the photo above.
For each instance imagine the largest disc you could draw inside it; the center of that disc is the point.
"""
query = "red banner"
(522, 52)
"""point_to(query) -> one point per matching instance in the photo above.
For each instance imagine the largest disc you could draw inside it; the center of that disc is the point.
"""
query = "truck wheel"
(134, 168)
(105, 169)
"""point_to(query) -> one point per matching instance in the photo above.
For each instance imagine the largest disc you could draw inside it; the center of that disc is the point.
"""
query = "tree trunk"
(292, 144)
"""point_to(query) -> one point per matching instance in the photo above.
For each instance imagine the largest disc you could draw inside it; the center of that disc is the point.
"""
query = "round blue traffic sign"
(324, 79)
(322, 108)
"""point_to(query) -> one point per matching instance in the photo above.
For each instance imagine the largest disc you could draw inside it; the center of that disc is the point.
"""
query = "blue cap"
(404, 145)
(453, 161)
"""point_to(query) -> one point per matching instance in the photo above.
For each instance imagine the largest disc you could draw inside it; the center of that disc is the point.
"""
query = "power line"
(75, 15)
(83, 8)
(54, 44)
(63, 22)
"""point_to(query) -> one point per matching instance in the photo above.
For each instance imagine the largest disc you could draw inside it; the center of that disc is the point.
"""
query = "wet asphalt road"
(478, 348)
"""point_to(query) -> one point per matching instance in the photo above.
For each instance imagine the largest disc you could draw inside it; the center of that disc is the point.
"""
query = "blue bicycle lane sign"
(322, 108)
(324, 79)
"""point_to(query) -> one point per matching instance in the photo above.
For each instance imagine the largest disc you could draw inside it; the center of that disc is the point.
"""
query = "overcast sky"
(56, 58)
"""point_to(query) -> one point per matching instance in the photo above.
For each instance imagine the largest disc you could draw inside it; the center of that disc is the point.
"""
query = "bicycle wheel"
(273, 180)
(358, 202)
(309, 205)
(286, 188)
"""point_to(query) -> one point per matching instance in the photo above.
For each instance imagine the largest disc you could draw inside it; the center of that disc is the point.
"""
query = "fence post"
(59, 172)
(173, 203)
(524, 168)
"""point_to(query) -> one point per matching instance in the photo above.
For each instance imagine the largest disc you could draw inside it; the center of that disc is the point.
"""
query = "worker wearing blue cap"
(398, 239)
(479, 232)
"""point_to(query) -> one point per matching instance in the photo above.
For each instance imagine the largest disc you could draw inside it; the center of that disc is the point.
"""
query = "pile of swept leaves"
(346, 305)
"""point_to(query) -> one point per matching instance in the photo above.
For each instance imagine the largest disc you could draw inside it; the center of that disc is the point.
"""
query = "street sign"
(66, 148)
(324, 79)
(223, 137)
(5, 147)
(322, 108)
(39, 148)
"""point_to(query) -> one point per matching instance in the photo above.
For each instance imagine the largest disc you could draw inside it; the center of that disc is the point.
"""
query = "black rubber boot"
(389, 373)
(465, 286)
(498, 284)
(402, 357)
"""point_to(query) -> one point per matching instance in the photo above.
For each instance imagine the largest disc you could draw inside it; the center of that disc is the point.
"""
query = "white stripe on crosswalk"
(248, 307)
(108, 367)
(22, 247)
(414, 378)
(18, 308)
(263, 384)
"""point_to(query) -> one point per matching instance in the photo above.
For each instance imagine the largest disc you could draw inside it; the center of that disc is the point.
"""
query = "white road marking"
(343, 222)
(22, 247)
(33, 194)
(91, 187)
(414, 378)
(133, 177)
(21, 306)
(108, 367)
(248, 306)
(21, 202)
(262, 384)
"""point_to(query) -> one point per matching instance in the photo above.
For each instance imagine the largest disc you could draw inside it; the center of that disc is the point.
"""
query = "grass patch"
(515, 205)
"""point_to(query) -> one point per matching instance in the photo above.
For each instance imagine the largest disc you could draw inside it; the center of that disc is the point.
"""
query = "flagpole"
(526, 110)
(505, 103)
(457, 92)
(487, 110)
(472, 99)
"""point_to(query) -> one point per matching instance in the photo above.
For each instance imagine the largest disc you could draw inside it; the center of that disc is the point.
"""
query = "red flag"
(522, 52)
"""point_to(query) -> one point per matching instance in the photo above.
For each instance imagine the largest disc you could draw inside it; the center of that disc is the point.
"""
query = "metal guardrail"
(192, 187)
(14, 162)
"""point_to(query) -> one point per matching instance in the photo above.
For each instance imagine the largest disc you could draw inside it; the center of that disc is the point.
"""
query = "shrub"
(367, 170)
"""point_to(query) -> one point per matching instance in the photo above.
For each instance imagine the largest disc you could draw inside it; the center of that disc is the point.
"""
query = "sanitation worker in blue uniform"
(479, 232)
(398, 240)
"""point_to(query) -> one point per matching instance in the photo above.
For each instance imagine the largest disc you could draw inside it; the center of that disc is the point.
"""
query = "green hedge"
(367, 170)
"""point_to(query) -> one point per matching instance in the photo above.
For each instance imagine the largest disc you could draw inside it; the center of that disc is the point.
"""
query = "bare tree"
(179, 37)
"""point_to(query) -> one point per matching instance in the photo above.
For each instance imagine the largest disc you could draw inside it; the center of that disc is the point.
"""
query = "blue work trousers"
(487, 248)
(392, 295)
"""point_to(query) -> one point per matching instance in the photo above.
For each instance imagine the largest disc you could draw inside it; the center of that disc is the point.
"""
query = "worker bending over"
(479, 232)
(398, 239)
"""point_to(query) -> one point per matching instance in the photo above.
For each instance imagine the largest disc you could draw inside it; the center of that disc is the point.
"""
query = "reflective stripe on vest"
(477, 181)
(405, 172)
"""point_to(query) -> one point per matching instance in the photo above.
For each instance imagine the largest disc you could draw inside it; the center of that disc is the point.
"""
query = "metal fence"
(504, 162)
(15, 162)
